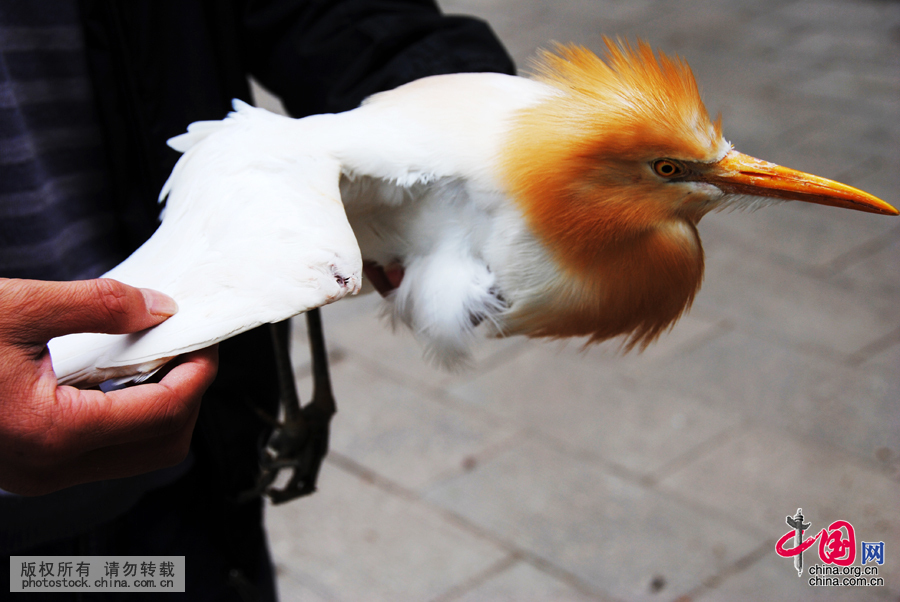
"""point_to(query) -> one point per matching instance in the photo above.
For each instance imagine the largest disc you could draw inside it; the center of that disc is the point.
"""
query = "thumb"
(37, 311)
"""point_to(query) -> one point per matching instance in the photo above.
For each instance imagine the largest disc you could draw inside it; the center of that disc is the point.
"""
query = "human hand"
(53, 436)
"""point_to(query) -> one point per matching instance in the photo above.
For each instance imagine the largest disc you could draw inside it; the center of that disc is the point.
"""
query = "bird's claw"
(295, 445)
(299, 442)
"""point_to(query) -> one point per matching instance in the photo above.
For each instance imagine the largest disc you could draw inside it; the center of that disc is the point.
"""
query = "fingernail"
(159, 304)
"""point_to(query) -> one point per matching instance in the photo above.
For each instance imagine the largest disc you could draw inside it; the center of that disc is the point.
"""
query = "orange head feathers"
(612, 174)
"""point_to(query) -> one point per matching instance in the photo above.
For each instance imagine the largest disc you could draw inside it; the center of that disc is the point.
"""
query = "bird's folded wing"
(253, 232)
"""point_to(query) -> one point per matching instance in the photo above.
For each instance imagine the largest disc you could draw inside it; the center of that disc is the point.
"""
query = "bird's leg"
(300, 440)
(317, 414)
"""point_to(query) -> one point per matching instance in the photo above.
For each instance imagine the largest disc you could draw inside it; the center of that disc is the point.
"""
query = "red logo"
(837, 544)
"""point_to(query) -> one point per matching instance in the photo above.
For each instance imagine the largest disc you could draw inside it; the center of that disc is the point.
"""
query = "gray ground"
(548, 473)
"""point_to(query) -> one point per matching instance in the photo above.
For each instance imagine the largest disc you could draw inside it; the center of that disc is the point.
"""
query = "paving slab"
(351, 541)
(876, 390)
(523, 583)
(770, 473)
(597, 391)
(302, 589)
(776, 302)
(768, 384)
(588, 521)
(774, 578)
(403, 434)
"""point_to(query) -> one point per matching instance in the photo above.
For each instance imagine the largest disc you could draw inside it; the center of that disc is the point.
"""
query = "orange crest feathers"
(633, 88)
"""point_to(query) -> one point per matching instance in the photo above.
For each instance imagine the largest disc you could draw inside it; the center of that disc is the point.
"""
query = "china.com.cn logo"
(837, 546)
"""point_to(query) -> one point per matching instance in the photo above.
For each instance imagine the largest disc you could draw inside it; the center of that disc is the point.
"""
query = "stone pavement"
(552, 473)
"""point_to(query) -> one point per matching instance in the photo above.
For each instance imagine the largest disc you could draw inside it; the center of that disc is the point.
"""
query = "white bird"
(562, 205)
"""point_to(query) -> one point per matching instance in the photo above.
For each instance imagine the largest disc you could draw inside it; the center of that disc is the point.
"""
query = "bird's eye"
(667, 168)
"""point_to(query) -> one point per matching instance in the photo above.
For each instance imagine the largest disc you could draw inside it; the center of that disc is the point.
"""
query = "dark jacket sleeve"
(328, 55)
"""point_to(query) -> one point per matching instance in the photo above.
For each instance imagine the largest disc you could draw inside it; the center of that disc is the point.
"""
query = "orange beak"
(737, 173)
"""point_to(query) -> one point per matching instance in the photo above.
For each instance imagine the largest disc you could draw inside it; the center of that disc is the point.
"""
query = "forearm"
(327, 56)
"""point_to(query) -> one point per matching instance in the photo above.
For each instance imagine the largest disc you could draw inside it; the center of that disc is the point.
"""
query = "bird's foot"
(298, 445)
(299, 441)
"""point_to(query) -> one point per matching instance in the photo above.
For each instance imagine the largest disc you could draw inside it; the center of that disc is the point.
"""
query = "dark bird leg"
(300, 440)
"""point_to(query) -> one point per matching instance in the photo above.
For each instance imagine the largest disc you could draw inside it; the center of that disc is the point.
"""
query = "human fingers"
(93, 419)
(34, 311)
(112, 462)
(138, 457)
(95, 436)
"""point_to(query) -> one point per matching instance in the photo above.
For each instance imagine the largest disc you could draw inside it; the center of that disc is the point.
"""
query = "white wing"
(253, 232)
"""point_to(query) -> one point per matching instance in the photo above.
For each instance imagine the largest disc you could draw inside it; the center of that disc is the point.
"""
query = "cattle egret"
(560, 205)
